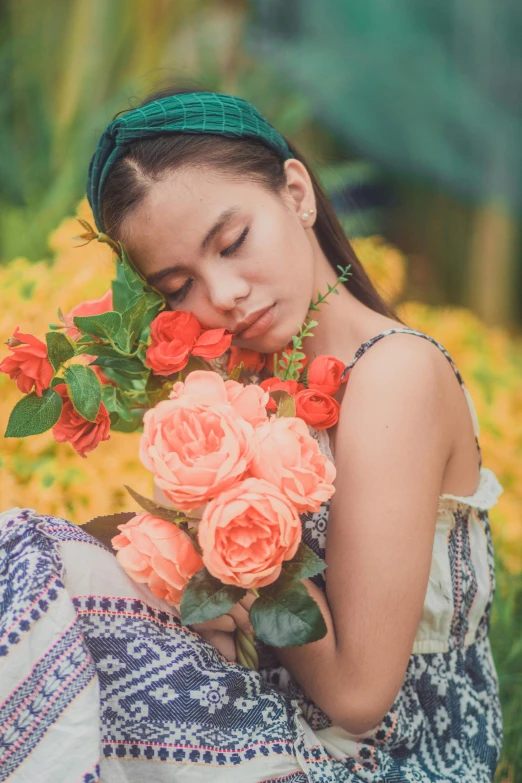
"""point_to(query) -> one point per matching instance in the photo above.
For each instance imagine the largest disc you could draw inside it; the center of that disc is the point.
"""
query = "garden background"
(412, 120)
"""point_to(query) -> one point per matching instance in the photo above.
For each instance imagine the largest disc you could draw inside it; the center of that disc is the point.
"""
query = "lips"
(256, 323)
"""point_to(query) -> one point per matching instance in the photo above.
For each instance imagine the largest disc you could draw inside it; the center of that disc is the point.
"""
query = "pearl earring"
(306, 215)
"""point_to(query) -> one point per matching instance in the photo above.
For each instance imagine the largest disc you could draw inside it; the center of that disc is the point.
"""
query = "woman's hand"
(220, 631)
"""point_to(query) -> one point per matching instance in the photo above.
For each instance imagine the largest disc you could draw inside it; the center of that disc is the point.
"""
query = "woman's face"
(233, 253)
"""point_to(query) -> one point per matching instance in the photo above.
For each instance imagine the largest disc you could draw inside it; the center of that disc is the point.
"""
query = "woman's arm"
(392, 446)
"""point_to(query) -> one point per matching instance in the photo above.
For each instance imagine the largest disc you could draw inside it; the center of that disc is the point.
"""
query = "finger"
(223, 623)
(241, 618)
(223, 642)
(247, 601)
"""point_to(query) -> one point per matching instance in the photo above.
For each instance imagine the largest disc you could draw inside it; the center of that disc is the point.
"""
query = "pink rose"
(83, 435)
(324, 374)
(286, 455)
(90, 307)
(195, 449)
(247, 532)
(29, 363)
(158, 553)
(173, 334)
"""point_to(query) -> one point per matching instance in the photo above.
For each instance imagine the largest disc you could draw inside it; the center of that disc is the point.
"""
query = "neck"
(344, 321)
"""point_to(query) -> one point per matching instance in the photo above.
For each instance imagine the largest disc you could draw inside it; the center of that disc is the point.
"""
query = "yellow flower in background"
(385, 265)
(38, 473)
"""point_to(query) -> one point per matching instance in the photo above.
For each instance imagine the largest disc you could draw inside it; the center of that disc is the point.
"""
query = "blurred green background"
(410, 111)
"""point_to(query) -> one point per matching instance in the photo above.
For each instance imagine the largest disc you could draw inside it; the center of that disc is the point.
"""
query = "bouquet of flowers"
(231, 453)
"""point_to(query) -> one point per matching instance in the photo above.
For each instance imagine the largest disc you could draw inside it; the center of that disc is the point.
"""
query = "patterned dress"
(99, 681)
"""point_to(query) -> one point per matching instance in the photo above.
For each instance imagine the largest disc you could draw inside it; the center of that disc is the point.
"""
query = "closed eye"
(231, 249)
(178, 296)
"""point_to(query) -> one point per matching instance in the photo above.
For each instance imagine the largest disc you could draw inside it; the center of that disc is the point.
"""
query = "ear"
(299, 190)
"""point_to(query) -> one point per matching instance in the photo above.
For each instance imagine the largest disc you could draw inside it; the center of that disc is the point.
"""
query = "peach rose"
(249, 402)
(158, 553)
(29, 363)
(252, 360)
(195, 449)
(89, 307)
(173, 334)
(247, 532)
(317, 409)
(286, 455)
(201, 386)
(212, 343)
(207, 387)
(324, 374)
(72, 428)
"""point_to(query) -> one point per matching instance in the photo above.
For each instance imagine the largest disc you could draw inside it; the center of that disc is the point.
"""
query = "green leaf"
(120, 424)
(285, 403)
(84, 390)
(285, 615)
(100, 349)
(129, 287)
(59, 348)
(104, 325)
(124, 365)
(114, 401)
(157, 509)
(34, 415)
(304, 564)
(132, 324)
(235, 375)
(206, 598)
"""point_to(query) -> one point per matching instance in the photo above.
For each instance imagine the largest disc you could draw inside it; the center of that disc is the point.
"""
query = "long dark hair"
(147, 160)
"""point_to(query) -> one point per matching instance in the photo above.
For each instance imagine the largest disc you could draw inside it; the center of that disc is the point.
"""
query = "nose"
(226, 290)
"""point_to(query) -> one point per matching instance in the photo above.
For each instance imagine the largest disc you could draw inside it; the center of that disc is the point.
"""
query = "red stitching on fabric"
(38, 661)
(64, 686)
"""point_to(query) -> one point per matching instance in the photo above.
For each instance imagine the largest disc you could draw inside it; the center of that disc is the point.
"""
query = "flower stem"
(245, 650)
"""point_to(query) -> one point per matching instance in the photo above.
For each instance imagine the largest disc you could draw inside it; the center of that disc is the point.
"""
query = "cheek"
(280, 253)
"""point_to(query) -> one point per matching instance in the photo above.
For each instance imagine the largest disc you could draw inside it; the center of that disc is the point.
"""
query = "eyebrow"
(220, 223)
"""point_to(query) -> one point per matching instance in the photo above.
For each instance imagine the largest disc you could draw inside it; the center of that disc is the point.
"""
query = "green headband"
(195, 112)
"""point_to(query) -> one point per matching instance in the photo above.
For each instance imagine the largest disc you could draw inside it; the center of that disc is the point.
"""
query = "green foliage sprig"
(290, 365)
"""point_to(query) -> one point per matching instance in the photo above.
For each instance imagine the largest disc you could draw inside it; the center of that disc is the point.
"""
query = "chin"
(268, 343)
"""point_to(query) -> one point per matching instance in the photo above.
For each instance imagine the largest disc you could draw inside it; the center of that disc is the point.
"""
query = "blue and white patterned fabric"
(99, 681)
(98, 677)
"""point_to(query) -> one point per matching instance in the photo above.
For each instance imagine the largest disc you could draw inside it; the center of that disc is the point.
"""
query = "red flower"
(324, 374)
(252, 360)
(72, 428)
(90, 307)
(212, 343)
(173, 334)
(276, 384)
(316, 408)
(29, 364)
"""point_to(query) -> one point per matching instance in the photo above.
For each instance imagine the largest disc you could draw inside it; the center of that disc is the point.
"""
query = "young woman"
(223, 216)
